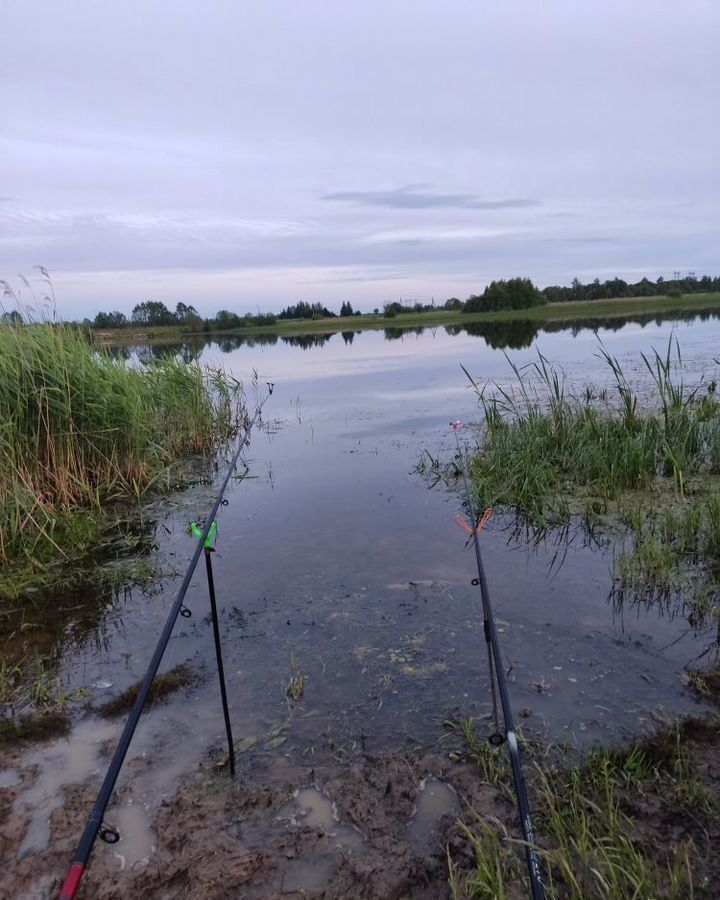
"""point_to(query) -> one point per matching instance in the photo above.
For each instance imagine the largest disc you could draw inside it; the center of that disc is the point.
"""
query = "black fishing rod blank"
(95, 825)
(209, 549)
(491, 637)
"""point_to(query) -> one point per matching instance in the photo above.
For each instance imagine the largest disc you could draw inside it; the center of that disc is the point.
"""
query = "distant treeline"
(513, 334)
(521, 293)
(616, 287)
(153, 313)
(514, 293)
(304, 310)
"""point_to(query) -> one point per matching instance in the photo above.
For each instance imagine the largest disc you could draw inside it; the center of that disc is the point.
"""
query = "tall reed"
(541, 443)
(79, 429)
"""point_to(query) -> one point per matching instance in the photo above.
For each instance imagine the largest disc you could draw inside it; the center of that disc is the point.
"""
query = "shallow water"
(336, 559)
(9, 778)
(312, 808)
(435, 801)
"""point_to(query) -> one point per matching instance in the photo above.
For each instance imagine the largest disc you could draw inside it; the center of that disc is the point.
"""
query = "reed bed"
(79, 429)
(638, 471)
(542, 445)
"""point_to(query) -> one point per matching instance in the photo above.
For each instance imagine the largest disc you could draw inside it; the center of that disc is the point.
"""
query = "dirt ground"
(219, 839)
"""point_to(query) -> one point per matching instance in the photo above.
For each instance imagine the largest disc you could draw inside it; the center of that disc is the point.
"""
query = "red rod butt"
(72, 881)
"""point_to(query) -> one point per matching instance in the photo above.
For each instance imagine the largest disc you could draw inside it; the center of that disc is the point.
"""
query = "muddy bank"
(380, 828)
(374, 829)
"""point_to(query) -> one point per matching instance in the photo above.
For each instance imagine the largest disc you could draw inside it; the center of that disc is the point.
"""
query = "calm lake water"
(336, 560)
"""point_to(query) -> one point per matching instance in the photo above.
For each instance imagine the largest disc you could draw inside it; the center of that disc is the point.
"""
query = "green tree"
(183, 310)
(113, 319)
(516, 293)
(226, 320)
(152, 312)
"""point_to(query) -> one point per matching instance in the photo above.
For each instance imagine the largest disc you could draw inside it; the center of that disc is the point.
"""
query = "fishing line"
(495, 663)
(95, 826)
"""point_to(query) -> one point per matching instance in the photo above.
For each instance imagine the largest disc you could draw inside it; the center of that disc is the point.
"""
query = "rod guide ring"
(108, 834)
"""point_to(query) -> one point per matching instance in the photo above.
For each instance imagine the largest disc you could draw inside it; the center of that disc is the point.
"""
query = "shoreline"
(551, 312)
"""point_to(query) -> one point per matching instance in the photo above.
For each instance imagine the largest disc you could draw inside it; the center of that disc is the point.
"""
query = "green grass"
(623, 824)
(542, 444)
(551, 312)
(79, 430)
(642, 473)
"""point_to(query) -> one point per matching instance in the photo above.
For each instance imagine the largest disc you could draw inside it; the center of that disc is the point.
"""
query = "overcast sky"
(242, 154)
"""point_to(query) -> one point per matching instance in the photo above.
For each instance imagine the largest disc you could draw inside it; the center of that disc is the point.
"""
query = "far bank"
(570, 312)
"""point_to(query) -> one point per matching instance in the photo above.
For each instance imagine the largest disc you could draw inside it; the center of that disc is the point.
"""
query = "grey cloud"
(378, 273)
(410, 197)
(239, 151)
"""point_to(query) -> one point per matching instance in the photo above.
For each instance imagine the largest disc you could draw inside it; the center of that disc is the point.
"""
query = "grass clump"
(79, 429)
(706, 683)
(541, 444)
(640, 474)
(623, 824)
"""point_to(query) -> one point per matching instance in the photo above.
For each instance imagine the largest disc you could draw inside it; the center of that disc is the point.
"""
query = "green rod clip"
(198, 532)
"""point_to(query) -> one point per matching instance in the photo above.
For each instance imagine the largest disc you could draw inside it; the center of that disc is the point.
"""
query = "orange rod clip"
(463, 524)
(485, 519)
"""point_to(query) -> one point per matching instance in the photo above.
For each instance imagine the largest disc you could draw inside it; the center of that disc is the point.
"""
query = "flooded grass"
(543, 446)
(642, 472)
(162, 688)
(37, 727)
(633, 823)
(706, 683)
(80, 430)
(295, 689)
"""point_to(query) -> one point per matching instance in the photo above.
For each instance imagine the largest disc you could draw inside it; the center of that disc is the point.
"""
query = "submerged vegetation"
(162, 688)
(633, 823)
(79, 430)
(639, 471)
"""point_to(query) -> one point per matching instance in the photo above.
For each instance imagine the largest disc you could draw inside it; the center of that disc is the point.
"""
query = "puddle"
(137, 842)
(312, 808)
(435, 800)
(9, 778)
(71, 760)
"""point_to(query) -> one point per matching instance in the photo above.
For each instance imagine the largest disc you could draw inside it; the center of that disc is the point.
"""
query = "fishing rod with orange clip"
(497, 674)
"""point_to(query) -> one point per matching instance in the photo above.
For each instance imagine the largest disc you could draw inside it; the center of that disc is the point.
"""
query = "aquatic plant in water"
(79, 429)
(645, 472)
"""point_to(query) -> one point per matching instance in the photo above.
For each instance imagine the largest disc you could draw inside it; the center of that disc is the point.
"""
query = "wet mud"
(382, 827)
(377, 828)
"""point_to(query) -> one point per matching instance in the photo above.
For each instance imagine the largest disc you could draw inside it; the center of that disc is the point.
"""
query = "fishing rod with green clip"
(491, 636)
(95, 826)
(208, 543)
